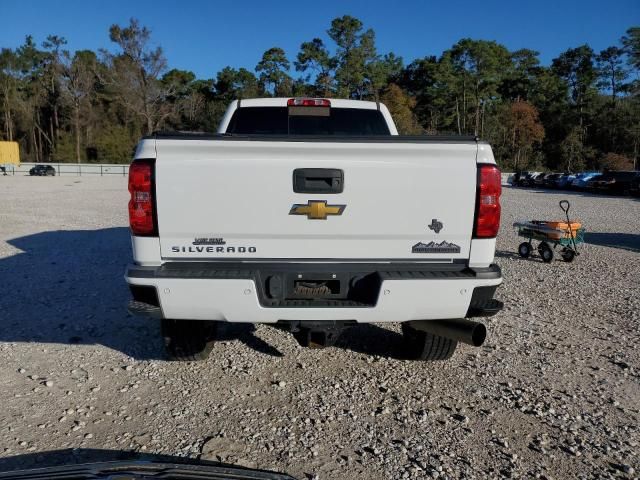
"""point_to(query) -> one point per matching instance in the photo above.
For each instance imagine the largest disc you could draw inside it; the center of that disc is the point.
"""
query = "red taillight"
(141, 206)
(488, 202)
(308, 102)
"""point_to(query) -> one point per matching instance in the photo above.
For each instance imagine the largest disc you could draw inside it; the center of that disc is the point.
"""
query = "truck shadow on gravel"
(67, 287)
(511, 255)
(624, 241)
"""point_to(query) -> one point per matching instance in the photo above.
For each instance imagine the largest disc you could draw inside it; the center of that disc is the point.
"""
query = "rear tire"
(545, 252)
(188, 340)
(568, 255)
(421, 345)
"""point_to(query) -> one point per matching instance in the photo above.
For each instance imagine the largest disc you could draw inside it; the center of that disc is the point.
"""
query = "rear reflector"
(141, 205)
(308, 102)
(488, 202)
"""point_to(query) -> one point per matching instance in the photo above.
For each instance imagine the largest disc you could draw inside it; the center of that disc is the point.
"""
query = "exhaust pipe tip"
(478, 335)
(461, 330)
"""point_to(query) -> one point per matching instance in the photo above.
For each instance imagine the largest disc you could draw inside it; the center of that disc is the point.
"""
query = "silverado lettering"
(198, 249)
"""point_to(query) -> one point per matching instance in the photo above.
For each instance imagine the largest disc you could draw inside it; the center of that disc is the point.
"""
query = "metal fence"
(107, 169)
(74, 169)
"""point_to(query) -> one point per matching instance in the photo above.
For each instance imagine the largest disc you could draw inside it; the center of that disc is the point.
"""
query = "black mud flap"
(483, 304)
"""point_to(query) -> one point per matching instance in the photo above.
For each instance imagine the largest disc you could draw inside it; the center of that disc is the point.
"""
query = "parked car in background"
(564, 181)
(580, 183)
(551, 179)
(514, 180)
(43, 171)
(613, 182)
(519, 179)
(635, 186)
(531, 179)
(524, 179)
(538, 181)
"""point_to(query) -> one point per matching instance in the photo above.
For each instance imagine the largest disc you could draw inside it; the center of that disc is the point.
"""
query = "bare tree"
(78, 83)
(9, 74)
(51, 82)
(136, 72)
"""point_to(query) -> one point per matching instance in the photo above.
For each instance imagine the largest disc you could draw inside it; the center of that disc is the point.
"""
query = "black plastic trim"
(470, 139)
(360, 283)
(396, 271)
(145, 301)
(145, 294)
(303, 179)
(144, 309)
(488, 273)
(482, 302)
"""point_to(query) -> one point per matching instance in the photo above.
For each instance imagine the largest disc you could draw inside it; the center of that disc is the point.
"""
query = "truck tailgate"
(234, 199)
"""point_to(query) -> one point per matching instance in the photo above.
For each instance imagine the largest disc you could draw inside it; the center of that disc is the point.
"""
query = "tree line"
(580, 112)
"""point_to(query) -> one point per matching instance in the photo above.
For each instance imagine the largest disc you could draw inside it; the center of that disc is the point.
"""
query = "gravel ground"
(553, 393)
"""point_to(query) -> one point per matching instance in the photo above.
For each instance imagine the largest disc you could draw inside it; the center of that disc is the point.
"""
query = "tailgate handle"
(318, 180)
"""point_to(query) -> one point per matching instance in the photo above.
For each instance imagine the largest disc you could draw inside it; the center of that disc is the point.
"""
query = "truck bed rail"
(168, 135)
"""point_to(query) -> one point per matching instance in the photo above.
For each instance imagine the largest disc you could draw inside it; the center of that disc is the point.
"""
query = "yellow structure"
(9, 153)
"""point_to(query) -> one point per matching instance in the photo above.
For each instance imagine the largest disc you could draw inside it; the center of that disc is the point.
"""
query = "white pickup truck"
(314, 215)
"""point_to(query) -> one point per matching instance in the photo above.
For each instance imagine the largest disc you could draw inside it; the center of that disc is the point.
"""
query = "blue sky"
(205, 36)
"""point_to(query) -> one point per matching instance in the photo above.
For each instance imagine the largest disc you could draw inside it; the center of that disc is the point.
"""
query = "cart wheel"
(545, 252)
(568, 255)
(525, 249)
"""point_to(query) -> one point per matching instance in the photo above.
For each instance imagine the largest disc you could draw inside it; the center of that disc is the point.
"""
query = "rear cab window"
(314, 121)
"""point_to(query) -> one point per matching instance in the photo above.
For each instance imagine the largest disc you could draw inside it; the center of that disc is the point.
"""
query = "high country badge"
(433, 247)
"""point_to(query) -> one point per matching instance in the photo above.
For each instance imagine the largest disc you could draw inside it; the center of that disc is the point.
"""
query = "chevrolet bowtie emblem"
(316, 209)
